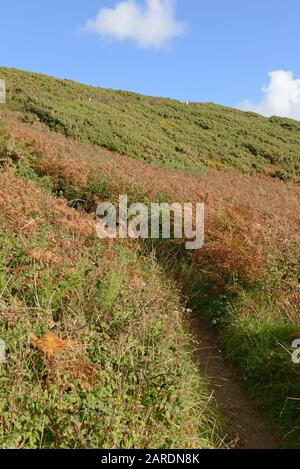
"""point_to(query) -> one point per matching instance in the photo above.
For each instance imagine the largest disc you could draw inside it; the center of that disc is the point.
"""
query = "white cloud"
(150, 25)
(281, 97)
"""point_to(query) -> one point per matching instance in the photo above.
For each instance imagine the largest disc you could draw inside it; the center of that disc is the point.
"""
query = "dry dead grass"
(246, 216)
(272, 199)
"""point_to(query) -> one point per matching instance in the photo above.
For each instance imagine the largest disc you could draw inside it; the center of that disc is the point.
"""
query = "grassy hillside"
(126, 302)
(159, 131)
(129, 381)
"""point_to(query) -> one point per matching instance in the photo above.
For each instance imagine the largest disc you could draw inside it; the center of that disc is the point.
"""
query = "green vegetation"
(158, 131)
(56, 276)
(255, 325)
(126, 301)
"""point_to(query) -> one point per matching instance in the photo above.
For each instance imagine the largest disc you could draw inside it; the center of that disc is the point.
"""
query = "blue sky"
(222, 53)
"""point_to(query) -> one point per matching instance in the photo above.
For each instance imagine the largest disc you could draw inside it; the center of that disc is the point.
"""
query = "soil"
(244, 425)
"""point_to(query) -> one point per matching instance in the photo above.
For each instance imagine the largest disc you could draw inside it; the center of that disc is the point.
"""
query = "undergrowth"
(124, 300)
(56, 276)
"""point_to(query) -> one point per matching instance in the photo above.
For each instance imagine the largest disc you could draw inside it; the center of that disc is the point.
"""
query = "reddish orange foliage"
(246, 216)
(65, 355)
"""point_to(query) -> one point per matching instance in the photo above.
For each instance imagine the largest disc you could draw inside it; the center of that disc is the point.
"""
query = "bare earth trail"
(244, 425)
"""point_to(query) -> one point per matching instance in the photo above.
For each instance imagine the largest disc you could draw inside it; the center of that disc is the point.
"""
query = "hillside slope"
(127, 301)
(128, 379)
(159, 131)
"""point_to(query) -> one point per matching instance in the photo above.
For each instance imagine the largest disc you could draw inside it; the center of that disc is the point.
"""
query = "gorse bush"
(160, 131)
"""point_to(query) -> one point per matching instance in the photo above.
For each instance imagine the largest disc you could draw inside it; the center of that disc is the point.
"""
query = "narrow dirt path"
(243, 423)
